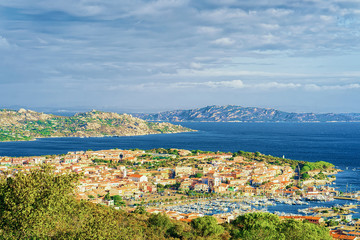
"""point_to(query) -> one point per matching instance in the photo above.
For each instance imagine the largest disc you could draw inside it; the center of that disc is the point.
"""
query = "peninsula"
(26, 125)
(232, 113)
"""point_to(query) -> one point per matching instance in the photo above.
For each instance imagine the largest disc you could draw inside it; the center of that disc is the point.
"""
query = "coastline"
(314, 145)
(100, 136)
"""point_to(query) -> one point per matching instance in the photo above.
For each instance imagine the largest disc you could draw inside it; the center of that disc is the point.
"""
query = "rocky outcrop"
(10, 117)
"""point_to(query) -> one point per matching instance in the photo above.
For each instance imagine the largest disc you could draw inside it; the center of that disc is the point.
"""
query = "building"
(316, 220)
(138, 178)
(180, 171)
(357, 226)
(346, 217)
(201, 187)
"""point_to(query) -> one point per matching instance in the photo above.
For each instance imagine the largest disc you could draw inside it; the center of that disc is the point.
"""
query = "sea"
(335, 142)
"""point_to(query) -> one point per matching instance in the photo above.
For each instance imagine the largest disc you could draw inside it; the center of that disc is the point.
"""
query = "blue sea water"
(338, 143)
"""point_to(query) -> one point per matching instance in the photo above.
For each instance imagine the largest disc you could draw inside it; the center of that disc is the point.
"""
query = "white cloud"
(195, 65)
(208, 30)
(224, 41)
(226, 84)
(269, 26)
(4, 43)
(237, 84)
(315, 87)
(279, 12)
(222, 72)
(223, 14)
(278, 85)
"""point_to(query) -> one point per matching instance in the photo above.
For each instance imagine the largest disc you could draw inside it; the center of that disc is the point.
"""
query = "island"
(24, 125)
(233, 113)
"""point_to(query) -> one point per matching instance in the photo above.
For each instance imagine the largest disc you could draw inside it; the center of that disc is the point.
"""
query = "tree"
(118, 201)
(160, 187)
(107, 197)
(303, 230)
(305, 169)
(198, 175)
(181, 230)
(305, 176)
(140, 210)
(160, 220)
(29, 200)
(268, 226)
(39, 204)
(207, 226)
(257, 226)
(176, 186)
(332, 223)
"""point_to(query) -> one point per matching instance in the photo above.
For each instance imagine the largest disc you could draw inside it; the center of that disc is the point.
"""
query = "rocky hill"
(27, 125)
(245, 114)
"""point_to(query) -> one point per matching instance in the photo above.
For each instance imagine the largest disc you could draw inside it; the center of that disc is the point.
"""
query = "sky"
(151, 56)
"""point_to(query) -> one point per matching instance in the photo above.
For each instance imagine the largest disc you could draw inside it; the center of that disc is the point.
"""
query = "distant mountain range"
(28, 125)
(231, 113)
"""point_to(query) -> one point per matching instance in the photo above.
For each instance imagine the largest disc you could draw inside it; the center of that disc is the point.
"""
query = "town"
(189, 184)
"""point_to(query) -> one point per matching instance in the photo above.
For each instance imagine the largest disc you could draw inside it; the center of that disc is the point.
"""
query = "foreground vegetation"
(40, 204)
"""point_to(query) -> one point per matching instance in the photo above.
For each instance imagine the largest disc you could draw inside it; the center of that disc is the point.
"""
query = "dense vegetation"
(269, 226)
(40, 205)
(321, 165)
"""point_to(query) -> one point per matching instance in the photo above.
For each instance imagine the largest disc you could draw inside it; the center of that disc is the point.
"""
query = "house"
(109, 202)
(357, 226)
(213, 181)
(138, 178)
(185, 185)
(222, 218)
(338, 234)
(166, 182)
(182, 171)
(247, 190)
(346, 217)
(315, 220)
(201, 187)
(222, 188)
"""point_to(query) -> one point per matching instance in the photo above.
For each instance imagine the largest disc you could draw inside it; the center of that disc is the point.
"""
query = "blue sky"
(149, 56)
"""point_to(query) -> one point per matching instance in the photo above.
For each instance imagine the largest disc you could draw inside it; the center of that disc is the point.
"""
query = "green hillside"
(27, 125)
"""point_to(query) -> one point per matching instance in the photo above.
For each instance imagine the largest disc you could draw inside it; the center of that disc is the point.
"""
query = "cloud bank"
(238, 84)
(65, 52)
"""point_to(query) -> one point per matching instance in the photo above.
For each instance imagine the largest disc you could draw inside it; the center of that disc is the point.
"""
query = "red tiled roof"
(185, 220)
(136, 176)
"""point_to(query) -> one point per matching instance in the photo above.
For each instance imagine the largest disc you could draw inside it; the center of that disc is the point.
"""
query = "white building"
(138, 178)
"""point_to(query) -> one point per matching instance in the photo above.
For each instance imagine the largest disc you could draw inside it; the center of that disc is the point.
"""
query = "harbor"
(279, 206)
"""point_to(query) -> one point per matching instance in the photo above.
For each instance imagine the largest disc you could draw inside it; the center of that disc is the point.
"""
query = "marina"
(279, 206)
(238, 206)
